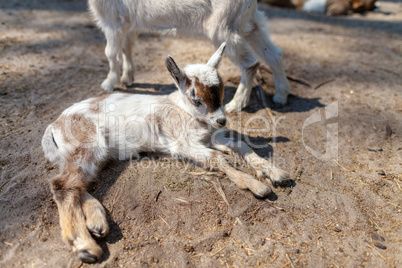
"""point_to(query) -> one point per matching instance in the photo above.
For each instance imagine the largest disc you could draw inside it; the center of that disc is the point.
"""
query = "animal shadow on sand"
(295, 103)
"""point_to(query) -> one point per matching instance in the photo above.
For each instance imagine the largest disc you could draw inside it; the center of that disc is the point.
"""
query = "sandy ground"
(340, 139)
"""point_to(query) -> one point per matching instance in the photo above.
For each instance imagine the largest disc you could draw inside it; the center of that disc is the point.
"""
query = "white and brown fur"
(238, 23)
(188, 123)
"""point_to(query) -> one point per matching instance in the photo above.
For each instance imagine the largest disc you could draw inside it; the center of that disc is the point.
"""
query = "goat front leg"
(128, 66)
(240, 53)
(214, 160)
(259, 41)
(114, 43)
(263, 168)
(242, 95)
(79, 212)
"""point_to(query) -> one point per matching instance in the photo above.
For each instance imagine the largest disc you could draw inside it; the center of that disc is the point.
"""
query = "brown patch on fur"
(80, 129)
(96, 103)
(81, 133)
(122, 97)
(59, 123)
(188, 83)
(211, 95)
(71, 177)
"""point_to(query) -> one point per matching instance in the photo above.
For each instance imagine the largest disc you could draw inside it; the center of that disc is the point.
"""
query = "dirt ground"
(340, 137)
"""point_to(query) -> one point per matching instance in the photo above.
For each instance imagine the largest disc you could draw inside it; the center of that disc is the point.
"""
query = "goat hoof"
(87, 257)
(126, 80)
(233, 107)
(98, 231)
(281, 177)
(108, 86)
(263, 192)
(260, 190)
(96, 222)
(280, 99)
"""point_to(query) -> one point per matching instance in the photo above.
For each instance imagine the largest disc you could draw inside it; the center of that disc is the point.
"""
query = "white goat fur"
(236, 22)
(188, 123)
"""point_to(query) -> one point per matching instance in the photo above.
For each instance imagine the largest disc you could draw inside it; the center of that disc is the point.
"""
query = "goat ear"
(176, 72)
(216, 58)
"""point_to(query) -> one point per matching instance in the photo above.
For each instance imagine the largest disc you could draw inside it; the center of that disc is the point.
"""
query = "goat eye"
(197, 103)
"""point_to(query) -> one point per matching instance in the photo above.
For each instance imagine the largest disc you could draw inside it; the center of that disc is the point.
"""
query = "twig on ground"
(5, 183)
(376, 225)
(182, 200)
(279, 208)
(114, 201)
(157, 196)
(394, 180)
(112, 169)
(291, 78)
(11, 133)
(213, 254)
(252, 213)
(342, 166)
(238, 221)
(218, 188)
(164, 221)
(323, 83)
(207, 173)
(377, 252)
(291, 262)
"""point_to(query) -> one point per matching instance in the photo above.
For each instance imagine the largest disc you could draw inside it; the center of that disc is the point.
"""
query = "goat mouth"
(217, 125)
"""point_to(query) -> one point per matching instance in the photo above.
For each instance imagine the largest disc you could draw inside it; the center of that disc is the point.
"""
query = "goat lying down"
(188, 123)
(238, 23)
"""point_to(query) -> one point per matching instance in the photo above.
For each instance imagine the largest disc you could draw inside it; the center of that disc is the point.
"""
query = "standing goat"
(188, 123)
(238, 23)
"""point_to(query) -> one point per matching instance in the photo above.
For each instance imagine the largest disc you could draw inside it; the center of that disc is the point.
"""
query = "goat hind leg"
(258, 39)
(68, 189)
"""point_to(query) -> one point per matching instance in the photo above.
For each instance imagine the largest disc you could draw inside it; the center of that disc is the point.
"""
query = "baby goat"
(238, 23)
(188, 123)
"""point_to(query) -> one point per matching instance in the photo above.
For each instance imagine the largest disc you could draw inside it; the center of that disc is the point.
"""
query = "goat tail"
(50, 146)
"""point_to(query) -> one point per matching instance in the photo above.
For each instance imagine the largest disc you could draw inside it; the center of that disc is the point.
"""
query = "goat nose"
(221, 121)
